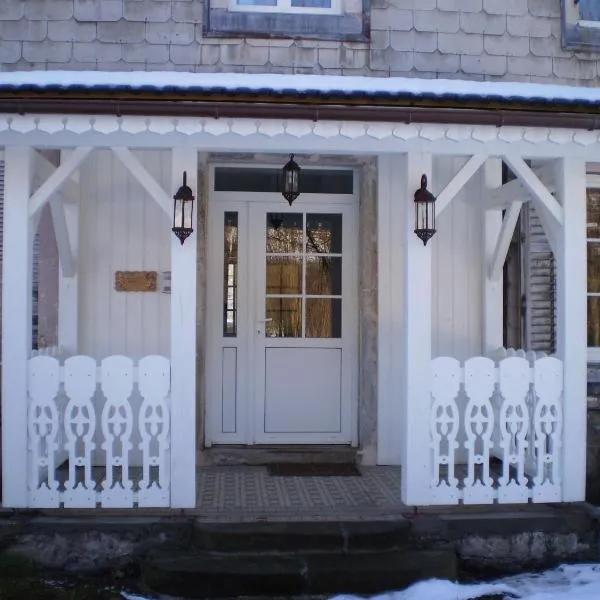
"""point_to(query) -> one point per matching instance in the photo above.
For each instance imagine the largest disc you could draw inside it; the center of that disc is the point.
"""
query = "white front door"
(282, 319)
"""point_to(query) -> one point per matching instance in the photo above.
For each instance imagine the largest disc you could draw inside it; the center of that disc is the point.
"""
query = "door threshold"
(269, 454)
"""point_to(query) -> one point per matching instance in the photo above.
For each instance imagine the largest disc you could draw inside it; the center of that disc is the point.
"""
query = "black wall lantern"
(424, 212)
(183, 211)
(291, 180)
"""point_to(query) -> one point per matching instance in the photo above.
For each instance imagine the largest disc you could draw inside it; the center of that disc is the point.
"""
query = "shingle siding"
(516, 40)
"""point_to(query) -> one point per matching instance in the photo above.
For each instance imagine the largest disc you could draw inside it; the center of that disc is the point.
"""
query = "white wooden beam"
(16, 324)
(183, 346)
(458, 182)
(540, 193)
(503, 196)
(43, 168)
(503, 242)
(61, 232)
(493, 313)
(68, 286)
(58, 177)
(416, 342)
(572, 325)
(147, 181)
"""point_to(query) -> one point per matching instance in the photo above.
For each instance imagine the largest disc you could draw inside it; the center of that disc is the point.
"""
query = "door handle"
(260, 323)
(264, 320)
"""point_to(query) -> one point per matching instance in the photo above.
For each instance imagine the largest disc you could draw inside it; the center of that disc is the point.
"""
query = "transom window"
(288, 6)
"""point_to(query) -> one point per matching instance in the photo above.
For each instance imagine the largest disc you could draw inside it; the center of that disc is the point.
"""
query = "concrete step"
(212, 575)
(293, 536)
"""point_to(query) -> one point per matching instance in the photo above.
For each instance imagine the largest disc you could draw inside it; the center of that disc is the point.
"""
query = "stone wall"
(516, 40)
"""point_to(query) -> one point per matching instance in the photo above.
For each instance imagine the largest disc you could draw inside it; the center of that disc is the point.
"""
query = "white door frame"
(246, 401)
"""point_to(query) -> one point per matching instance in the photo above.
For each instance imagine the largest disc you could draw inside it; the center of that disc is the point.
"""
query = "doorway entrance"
(282, 314)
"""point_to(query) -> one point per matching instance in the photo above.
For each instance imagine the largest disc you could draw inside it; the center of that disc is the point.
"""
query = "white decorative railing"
(496, 429)
(98, 434)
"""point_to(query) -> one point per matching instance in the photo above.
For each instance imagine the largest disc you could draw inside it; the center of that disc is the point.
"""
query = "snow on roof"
(319, 85)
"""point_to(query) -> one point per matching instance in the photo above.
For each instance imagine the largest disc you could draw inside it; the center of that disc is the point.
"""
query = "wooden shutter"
(539, 284)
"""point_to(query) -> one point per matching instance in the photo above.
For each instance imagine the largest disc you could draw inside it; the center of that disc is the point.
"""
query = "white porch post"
(417, 308)
(492, 291)
(572, 333)
(16, 324)
(183, 345)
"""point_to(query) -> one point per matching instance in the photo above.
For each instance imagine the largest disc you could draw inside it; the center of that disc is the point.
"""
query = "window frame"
(592, 183)
(578, 33)
(285, 6)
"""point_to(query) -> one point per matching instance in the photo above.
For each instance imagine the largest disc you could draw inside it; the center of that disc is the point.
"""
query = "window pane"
(593, 322)
(284, 233)
(286, 317)
(284, 275)
(323, 275)
(323, 318)
(311, 3)
(312, 181)
(593, 213)
(593, 267)
(257, 2)
(230, 274)
(324, 233)
(589, 10)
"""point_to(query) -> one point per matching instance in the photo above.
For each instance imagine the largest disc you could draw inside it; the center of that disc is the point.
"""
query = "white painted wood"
(61, 231)
(503, 241)
(458, 182)
(514, 378)
(480, 380)
(543, 198)
(444, 426)
(43, 168)
(390, 275)
(58, 177)
(43, 430)
(493, 315)
(124, 230)
(154, 381)
(572, 328)
(148, 182)
(16, 324)
(68, 286)
(117, 428)
(80, 421)
(183, 345)
(548, 423)
(415, 390)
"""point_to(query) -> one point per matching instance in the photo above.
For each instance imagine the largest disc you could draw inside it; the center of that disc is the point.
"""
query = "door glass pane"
(593, 267)
(284, 232)
(324, 233)
(284, 275)
(323, 317)
(593, 213)
(593, 322)
(324, 275)
(285, 316)
(230, 274)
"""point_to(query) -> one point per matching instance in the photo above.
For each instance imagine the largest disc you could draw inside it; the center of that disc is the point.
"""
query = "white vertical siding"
(122, 229)
(457, 270)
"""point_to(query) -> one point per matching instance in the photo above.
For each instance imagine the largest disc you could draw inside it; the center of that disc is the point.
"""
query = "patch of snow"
(568, 582)
(301, 84)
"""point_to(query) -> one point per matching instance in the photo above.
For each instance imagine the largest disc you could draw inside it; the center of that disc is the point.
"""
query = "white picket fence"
(496, 429)
(98, 434)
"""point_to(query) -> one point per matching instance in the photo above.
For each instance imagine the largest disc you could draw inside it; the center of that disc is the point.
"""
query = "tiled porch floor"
(249, 493)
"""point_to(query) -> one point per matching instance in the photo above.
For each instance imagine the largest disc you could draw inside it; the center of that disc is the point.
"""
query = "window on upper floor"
(344, 20)
(581, 24)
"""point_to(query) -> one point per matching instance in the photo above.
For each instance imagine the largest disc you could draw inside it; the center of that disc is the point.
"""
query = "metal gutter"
(313, 111)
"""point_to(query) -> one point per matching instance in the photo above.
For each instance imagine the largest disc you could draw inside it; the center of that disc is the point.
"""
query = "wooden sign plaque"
(135, 281)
